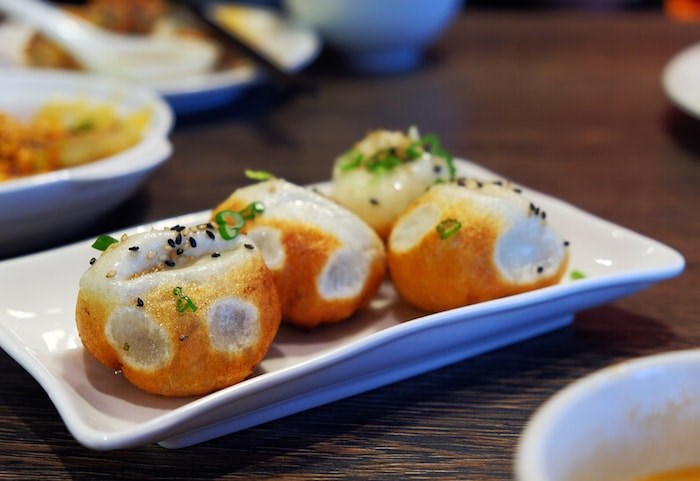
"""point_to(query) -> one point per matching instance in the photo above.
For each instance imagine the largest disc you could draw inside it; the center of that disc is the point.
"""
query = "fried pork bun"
(179, 311)
(326, 262)
(384, 172)
(470, 241)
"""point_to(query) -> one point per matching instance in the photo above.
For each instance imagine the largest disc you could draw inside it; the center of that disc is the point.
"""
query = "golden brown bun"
(127, 314)
(502, 247)
(326, 262)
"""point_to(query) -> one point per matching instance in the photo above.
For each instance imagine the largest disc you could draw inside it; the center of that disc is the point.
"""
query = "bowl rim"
(530, 457)
(48, 84)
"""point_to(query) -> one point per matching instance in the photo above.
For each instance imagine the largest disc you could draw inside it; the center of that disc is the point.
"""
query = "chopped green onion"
(352, 159)
(230, 222)
(576, 275)
(415, 150)
(104, 241)
(448, 228)
(183, 302)
(431, 143)
(258, 174)
(384, 161)
(252, 210)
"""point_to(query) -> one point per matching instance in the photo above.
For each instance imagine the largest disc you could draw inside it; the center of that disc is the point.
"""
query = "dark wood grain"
(566, 103)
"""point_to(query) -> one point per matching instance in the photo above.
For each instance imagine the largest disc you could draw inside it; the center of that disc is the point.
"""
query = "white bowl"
(377, 35)
(43, 206)
(626, 421)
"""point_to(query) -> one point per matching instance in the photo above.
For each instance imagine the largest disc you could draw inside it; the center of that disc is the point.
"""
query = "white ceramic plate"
(681, 80)
(387, 342)
(54, 202)
(291, 45)
(624, 422)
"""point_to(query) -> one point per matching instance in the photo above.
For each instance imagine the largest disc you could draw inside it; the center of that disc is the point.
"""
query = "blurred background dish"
(377, 37)
(289, 45)
(681, 80)
(626, 422)
(38, 209)
(97, 49)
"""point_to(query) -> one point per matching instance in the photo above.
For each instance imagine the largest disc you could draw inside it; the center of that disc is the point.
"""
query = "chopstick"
(289, 81)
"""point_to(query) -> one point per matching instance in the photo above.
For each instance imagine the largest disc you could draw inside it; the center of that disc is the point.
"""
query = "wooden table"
(567, 103)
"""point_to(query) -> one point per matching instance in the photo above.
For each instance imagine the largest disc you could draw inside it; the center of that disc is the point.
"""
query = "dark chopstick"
(293, 82)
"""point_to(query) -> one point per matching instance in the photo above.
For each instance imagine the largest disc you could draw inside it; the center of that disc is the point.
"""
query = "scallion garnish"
(104, 241)
(183, 302)
(431, 143)
(252, 210)
(448, 228)
(576, 275)
(351, 160)
(258, 174)
(386, 159)
(230, 223)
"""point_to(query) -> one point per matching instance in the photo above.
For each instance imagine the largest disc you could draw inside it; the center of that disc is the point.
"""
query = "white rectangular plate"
(384, 343)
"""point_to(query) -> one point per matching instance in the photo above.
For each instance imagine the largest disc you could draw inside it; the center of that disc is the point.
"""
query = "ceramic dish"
(681, 79)
(71, 197)
(624, 422)
(384, 343)
(290, 45)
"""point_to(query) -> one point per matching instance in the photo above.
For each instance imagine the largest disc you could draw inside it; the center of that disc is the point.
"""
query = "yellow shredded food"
(64, 134)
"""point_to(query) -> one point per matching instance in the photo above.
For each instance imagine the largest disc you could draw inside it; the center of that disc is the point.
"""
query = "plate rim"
(675, 69)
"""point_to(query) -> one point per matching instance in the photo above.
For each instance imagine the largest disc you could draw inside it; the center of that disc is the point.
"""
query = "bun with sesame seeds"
(385, 171)
(327, 263)
(470, 241)
(179, 311)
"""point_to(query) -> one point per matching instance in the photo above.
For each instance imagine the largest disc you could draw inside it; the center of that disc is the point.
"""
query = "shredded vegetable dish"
(66, 134)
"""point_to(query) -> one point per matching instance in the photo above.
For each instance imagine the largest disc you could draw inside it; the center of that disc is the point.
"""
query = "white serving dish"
(290, 45)
(51, 203)
(681, 80)
(629, 420)
(385, 343)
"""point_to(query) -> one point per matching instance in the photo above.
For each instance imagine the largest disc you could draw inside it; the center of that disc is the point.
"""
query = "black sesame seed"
(216, 254)
(461, 182)
(532, 206)
(373, 201)
(540, 269)
(178, 239)
(134, 248)
(193, 242)
(437, 169)
(92, 261)
(171, 243)
(479, 184)
(517, 190)
(566, 243)
(211, 235)
(498, 182)
(544, 215)
(179, 251)
(249, 246)
(178, 228)
(168, 262)
(209, 225)
(139, 302)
